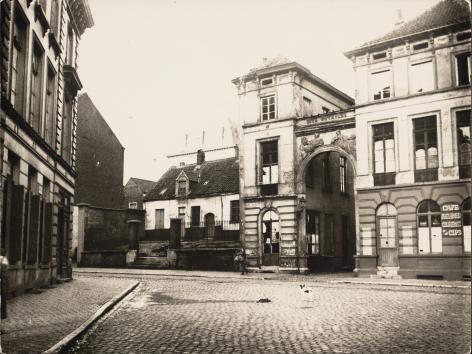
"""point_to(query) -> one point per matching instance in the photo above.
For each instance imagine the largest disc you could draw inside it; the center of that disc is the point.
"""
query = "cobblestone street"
(188, 315)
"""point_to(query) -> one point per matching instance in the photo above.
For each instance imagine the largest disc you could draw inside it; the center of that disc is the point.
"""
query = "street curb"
(359, 282)
(66, 342)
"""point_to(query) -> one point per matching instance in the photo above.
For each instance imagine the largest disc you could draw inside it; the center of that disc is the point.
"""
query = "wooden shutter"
(33, 232)
(16, 224)
(46, 256)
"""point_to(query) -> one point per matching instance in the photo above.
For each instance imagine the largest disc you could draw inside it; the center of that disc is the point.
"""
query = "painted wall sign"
(451, 219)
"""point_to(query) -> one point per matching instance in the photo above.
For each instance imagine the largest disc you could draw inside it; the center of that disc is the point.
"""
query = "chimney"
(203, 138)
(200, 157)
(399, 20)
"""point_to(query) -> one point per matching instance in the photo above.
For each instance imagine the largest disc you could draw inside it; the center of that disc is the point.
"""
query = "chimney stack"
(200, 157)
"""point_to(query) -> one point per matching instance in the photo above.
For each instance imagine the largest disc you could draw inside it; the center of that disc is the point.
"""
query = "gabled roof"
(216, 177)
(443, 14)
(143, 184)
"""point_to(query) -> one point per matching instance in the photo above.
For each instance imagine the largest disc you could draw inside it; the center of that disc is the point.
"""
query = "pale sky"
(158, 69)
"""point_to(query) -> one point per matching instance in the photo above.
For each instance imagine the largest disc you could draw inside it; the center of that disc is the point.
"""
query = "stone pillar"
(133, 242)
(83, 209)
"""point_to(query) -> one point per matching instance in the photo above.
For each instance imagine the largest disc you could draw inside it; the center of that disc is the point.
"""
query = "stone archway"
(327, 220)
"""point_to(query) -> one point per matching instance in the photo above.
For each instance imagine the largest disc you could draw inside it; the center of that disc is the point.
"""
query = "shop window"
(421, 77)
(234, 211)
(426, 149)
(36, 86)
(386, 223)
(466, 224)
(463, 69)
(195, 216)
(269, 172)
(268, 107)
(384, 154)
(429, 227)
(380, 84)
(313, 231)
(18, 62)
(343, 175)
(463, 143)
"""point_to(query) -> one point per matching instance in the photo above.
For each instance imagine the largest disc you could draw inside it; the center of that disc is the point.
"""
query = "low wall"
(207, 259)
(153, 248)
(102, 231)
(112, 259)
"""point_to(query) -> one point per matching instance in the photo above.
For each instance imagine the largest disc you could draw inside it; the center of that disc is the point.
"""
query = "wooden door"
(210, 225)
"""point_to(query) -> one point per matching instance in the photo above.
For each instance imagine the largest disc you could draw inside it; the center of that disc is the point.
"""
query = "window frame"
(307, 106)
(464, 168)
(428, 173)
(465, 212)
(262, 104)
(234, 211)
(326, 170)
(194, 220)
(390, 84)
(131, 204)
(313, 238)
(411, 78)
(429, 215)
(272, 180)
(456, 66)
(35, 116)
(343, 171)
(50, 106)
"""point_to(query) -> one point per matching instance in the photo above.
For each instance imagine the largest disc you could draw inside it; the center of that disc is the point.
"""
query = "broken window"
(463, 143)
(463, 69)
(421, 77)
(426, 149)
(384, 148)
(269, 173)
(380, 84)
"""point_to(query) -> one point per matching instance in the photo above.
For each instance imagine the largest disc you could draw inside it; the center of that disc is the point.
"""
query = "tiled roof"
(446, 12)
(216, 177)
(144, 184)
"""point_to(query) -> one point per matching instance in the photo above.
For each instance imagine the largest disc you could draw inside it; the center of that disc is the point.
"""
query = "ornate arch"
(301, 170)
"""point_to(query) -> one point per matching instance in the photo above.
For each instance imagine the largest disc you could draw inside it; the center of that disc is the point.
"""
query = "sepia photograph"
(235, 176)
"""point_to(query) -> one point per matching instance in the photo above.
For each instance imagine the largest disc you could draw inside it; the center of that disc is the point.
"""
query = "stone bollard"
(133, 242)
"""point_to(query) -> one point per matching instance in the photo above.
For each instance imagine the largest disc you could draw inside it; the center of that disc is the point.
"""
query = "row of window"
(269, 110)
(421, 77)
(426, 161)
(43, 80)
(195, 215)
(431, 228)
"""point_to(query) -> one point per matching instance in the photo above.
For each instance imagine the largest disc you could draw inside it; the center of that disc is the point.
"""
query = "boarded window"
(159, 218)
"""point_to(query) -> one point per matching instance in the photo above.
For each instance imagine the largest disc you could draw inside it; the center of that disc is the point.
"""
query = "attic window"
(462, 36)
(378, 56)
(420, 46)
(163, 191)
(266, 82)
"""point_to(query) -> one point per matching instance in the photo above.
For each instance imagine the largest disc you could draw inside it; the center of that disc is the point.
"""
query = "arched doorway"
(386, 220)
(209, 220)
(270, 238)
(328, 186)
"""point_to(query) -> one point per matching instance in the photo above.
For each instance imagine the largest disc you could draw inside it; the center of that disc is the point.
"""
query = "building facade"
(99, 161)
(135, 191)
(413, 145)
(204, 195)
(39, 85)
(297, 166)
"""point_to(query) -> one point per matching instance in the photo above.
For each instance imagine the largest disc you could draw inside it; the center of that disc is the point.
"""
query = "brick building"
(297, 166)
(39, 84)
(413, 145)
(100, 159)
(135, 190)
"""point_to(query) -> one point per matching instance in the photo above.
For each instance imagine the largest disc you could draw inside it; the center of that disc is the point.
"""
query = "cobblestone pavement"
(214, 315)
(37, 321)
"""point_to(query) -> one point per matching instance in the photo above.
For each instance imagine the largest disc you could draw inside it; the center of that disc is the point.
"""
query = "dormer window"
(267, 82)
(181, 188)
(268, 107)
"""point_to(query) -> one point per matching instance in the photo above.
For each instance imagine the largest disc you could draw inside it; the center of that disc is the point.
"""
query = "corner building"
(413, 145)
(39, 85)
(297, 167)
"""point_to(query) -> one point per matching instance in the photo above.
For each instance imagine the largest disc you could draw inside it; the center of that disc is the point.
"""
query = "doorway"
(387, 235)
(270, 239)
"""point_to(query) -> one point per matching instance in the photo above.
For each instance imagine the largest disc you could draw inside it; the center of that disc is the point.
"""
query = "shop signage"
(451, 219)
